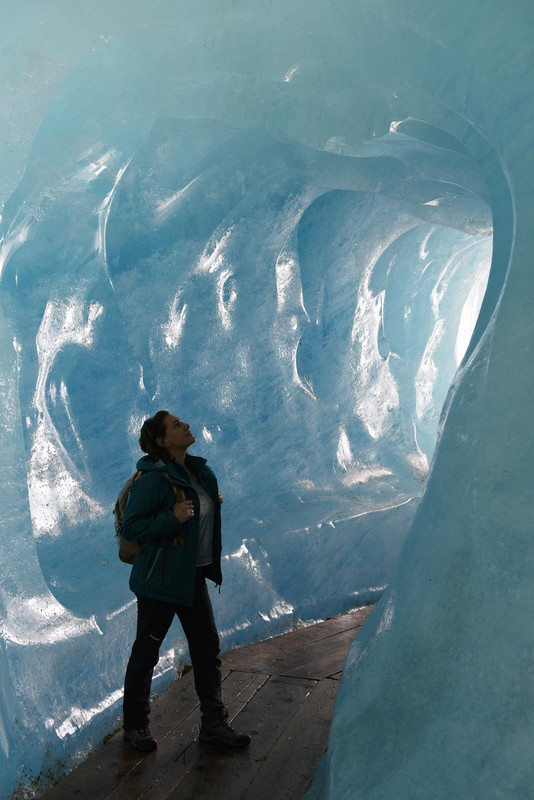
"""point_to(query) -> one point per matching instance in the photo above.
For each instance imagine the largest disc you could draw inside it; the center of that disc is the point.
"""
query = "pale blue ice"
(306, 229)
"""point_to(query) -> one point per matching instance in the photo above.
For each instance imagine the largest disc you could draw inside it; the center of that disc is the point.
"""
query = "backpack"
(128, 551)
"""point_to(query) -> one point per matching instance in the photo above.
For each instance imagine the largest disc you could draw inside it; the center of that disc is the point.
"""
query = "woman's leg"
(203, 640)
(154, 618)
(199, 627)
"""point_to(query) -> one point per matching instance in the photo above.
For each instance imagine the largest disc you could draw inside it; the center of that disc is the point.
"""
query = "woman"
(182, 547)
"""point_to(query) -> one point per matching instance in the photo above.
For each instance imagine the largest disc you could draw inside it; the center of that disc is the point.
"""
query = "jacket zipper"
(190, 486)
(162, 566)
(151, 570)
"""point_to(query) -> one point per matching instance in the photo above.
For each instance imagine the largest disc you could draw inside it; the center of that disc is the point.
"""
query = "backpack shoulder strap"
(178, 492)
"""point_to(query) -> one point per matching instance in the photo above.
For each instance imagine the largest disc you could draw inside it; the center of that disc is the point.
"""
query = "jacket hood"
(145, 464)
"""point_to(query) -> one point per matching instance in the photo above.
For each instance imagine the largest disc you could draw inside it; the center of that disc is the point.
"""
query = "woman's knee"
(206, 648)
(145, 650)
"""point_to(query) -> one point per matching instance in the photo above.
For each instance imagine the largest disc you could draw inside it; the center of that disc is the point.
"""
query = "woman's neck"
(178, 455)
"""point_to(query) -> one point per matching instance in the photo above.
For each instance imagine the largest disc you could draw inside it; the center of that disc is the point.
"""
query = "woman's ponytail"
(152, 429)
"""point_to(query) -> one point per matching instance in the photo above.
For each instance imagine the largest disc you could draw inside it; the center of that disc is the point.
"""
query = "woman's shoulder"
(149, 470)
(147, 479)
(208, 474)
(147, 476)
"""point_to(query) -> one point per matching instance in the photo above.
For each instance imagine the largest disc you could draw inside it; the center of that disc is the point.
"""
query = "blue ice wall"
(436, 698)
(277, 222)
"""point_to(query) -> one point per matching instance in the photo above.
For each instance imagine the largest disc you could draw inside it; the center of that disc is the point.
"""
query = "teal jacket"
(163, 570)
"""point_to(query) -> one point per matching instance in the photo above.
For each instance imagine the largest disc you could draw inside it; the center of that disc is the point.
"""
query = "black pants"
(154, 618)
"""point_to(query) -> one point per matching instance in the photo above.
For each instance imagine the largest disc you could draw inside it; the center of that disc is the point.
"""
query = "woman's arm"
(142, 520)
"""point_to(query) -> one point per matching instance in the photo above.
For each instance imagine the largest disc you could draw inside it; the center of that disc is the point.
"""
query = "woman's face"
(177, 433)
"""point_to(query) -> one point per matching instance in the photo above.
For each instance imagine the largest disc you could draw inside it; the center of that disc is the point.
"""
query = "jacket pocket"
(153, 565)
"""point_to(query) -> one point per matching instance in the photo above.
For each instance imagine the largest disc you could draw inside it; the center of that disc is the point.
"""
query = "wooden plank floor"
(280, 691)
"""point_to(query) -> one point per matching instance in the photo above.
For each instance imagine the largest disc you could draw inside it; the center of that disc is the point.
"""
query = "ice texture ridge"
(293, 226)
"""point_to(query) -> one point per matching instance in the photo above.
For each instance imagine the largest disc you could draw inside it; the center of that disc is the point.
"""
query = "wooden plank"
(297, 638)
(145, 773)
(155, 775)
(315, 660)
(319, 660)
(254, 656)
(294, 639)
(177, 709)
(101, 771)
(287, 771)
(225, 774)
(106, 767)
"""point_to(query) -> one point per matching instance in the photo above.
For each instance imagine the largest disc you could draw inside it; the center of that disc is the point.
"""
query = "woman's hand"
(183, 511)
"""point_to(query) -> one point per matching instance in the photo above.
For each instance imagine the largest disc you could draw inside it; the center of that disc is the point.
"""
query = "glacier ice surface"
(290, 246)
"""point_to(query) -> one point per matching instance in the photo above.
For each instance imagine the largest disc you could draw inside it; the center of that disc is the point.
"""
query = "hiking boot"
(141, 739)
(222, 733)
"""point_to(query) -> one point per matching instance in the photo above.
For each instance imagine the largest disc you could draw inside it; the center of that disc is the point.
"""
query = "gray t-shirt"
(205, 526)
